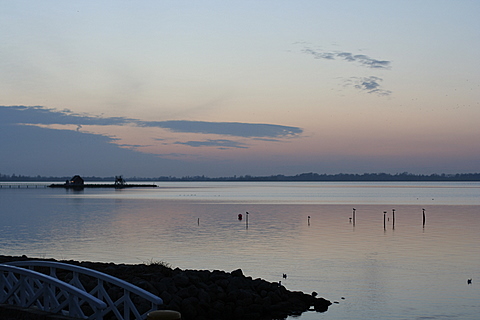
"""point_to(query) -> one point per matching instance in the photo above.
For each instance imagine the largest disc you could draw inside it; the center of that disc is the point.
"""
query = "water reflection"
(378, 268)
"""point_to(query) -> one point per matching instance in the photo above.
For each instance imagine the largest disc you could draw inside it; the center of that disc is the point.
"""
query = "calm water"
(406, 272)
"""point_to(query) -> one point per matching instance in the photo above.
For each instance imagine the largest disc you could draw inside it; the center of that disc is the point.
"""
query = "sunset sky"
(223, 88)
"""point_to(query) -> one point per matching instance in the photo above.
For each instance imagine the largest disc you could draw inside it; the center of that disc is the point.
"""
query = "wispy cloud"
(371, 84)
(43, 116)
(220, 144)
(132, 146)
(360, 59)
(237, 129)
(367, 84)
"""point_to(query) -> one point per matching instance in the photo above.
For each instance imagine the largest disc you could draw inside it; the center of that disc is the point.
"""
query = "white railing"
(118, 295)
(30, 289)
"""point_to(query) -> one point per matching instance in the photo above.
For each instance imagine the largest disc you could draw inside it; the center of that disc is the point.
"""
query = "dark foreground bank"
(203, 294)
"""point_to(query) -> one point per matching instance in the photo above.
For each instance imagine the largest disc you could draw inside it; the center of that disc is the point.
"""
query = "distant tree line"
(405, 176)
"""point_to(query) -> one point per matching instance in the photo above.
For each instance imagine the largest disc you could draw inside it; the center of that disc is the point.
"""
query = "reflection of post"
(423, 217)
(393, 224)
(354, 216)
(246, 222)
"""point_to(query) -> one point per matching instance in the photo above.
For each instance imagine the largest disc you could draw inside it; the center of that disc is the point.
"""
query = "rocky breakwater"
(213, 295)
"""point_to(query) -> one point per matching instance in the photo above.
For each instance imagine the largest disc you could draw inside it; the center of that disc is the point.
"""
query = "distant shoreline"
(313, 177)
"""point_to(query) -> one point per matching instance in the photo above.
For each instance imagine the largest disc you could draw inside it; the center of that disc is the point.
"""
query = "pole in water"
(423, 217)
(308, 220)
(384, 215)
(354, 216)
(198, 221)
(246, 221)
(393, 223)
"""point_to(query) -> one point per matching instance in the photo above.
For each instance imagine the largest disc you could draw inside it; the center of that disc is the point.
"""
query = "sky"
(223, 88)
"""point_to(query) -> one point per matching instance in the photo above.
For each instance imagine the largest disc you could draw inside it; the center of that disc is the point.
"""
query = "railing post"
(48, 296)
(126, 304)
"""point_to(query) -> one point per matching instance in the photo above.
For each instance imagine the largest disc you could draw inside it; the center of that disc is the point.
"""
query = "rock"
(183, 293)
(166, 296)
(145, 285)
(321, 305)
(203, 294)
(181, 280)
(237, 273)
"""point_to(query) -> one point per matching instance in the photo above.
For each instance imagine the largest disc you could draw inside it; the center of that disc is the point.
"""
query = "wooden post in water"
(423, 217)
(246, 221)
(354, 216)
(393, 223)
(308, 220)
(384, 216)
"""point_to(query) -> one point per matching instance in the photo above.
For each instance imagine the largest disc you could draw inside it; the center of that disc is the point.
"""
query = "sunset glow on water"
(398, 272)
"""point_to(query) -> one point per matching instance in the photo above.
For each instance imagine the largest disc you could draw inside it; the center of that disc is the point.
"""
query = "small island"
(78, 183)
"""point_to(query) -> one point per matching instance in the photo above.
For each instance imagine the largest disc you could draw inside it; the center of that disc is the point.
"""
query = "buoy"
(240, 216)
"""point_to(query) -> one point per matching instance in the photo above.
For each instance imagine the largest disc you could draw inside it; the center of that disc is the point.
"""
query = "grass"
(153, 262)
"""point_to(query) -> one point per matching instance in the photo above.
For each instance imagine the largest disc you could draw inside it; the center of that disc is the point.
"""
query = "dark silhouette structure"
(76, 181)
(119, 181)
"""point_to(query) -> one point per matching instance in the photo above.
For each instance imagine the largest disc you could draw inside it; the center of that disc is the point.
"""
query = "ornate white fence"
(122, 300)
(30, 289)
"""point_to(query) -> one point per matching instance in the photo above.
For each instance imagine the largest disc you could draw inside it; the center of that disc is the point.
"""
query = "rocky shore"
(210, 295)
